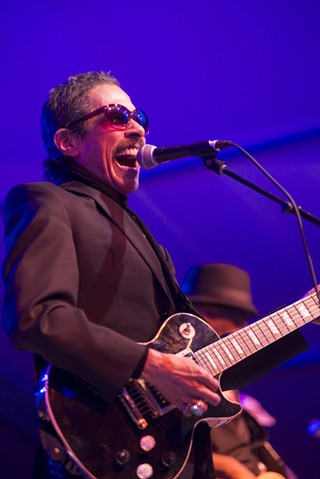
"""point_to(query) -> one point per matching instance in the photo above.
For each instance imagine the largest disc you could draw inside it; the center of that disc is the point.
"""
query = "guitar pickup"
(141, 400)
(133, 409)
(157, 404)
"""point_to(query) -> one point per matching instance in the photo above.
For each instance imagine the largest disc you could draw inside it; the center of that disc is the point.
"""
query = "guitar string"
(266, 331)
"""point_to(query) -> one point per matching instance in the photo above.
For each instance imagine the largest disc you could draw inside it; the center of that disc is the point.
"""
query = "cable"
(293, 206)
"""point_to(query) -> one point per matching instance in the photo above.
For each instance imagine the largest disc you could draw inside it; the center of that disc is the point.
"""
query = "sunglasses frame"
(136, 115)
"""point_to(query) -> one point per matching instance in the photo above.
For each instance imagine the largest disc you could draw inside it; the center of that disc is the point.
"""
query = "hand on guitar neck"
(228, 467)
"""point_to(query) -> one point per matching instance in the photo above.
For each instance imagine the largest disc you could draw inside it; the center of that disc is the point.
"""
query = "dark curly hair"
(68, 102)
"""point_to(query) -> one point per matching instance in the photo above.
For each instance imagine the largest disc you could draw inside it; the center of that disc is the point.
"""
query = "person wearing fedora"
(221, 293)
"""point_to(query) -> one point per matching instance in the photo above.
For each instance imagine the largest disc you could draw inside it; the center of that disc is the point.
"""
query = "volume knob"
(168, 459)
(122, 457)
(144, 471)
(147, 443)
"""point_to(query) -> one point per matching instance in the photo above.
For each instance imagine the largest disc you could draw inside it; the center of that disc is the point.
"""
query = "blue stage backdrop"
(245, 71)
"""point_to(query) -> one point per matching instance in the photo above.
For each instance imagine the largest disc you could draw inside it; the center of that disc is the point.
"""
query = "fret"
(220, 358)
(286, 318)
(248, 340)
(300, 315)
(313, 299)
(235, 353)
(228, 352)
(295, 316)
(206, 360)
(209, 358)
(254, 338)
(235, 347)
(304, 312)
(273, 328)
(220, 348)
(203, 361)
(217, 356)
(260, 331)
(232, 351)
(277, 324)
(272, 333)
(283, 321)
(242, 343)
(212, 358)
(224, 351)
(313, 305)
(208, 355)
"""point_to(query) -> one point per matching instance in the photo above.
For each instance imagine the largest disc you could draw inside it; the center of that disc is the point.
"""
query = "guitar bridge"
(142, 401)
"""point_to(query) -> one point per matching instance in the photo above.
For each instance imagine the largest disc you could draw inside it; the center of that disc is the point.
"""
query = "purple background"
(247, 71)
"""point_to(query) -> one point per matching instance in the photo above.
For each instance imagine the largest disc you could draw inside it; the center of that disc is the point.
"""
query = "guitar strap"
(182, 303)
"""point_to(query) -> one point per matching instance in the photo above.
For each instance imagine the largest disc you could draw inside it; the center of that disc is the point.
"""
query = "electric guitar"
(141, 435)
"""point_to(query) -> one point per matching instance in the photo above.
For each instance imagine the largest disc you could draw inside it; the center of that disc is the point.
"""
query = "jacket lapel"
(126, 224)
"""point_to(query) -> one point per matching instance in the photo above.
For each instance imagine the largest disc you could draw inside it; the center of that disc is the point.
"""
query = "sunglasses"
(118, 116)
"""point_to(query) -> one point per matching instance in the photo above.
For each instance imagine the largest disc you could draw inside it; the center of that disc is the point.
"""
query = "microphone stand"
(219, 167)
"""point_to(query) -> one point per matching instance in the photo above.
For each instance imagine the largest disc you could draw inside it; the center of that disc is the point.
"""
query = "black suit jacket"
(83, 286)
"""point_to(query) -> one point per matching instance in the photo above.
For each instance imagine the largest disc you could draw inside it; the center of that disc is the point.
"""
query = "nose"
(134, 130)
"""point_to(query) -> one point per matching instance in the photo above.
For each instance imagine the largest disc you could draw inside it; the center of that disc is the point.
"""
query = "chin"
(129, 188)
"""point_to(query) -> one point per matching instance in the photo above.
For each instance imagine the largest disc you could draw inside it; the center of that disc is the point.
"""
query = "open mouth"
(127, 157)
(126, 160)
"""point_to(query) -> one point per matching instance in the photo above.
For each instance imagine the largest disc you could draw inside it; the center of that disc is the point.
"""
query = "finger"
(208, 381)
(214, 399)
(202, 375)
(207, 395)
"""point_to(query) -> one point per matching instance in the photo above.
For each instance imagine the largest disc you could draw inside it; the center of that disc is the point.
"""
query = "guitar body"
(138, 435)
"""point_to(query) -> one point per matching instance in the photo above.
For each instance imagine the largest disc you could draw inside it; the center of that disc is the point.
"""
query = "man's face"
(108, 153)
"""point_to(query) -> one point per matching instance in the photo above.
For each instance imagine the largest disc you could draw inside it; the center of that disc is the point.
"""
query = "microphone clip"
(213, 164)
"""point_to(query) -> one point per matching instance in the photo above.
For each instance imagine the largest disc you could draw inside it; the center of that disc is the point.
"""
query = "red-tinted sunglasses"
(118, 116)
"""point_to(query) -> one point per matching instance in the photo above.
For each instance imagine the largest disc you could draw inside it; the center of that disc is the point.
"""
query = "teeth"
(129, 151)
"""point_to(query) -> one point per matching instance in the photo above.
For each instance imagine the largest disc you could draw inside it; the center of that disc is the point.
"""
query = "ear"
(67, 142)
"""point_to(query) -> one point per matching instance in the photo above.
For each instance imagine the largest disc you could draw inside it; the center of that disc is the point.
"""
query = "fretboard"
(226, 352)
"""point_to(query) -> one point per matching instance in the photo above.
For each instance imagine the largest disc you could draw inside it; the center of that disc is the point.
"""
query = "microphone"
(150, 156)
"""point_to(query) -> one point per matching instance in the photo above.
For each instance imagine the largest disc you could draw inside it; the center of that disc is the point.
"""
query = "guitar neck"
(226, 352)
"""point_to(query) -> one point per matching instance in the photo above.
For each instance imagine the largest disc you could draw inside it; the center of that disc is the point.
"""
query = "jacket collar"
(126, 224)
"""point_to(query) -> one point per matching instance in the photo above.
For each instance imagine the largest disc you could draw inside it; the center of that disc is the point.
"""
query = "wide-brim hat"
(220, 284)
